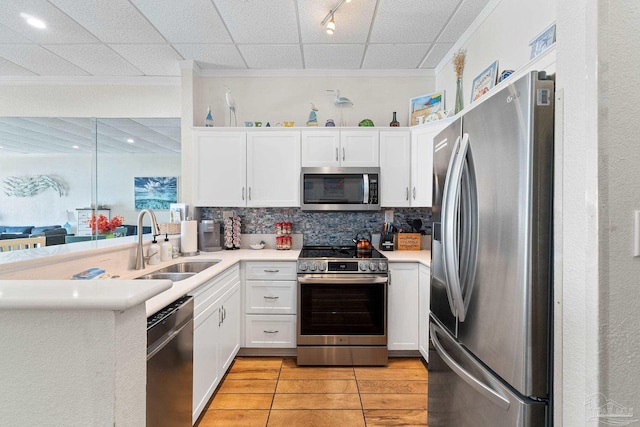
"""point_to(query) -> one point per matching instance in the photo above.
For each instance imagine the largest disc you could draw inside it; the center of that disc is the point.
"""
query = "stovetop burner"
(338, 252)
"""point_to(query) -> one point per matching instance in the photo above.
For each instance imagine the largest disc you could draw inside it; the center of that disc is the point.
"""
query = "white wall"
(279, 99)
(503, 35)
(115, 185)
(91, 100)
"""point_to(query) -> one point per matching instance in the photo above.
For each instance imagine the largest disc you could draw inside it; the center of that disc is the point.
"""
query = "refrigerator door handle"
(446, 240)
(474, 382)
(449, 228)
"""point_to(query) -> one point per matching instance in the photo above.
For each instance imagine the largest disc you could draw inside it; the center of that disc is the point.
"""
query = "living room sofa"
(54, 234)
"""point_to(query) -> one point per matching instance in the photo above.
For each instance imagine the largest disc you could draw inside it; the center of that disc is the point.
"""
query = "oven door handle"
(343, 281)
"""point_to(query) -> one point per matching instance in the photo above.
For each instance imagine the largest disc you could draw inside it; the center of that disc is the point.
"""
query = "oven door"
(342, 309)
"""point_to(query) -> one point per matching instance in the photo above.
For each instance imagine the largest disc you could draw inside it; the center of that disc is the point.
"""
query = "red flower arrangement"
(104, 225)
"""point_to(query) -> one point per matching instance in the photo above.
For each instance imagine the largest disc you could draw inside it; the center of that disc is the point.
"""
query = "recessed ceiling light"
(130, 141)
(33, 21)
(75, 146)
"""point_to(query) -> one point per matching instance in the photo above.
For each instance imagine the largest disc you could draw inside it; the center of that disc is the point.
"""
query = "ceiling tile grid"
(149, 37)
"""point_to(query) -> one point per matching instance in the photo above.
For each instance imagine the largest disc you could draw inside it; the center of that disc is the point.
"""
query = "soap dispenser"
(154, 252)
(165, 249)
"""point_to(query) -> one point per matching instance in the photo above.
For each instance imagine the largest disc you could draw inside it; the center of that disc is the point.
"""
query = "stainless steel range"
(342, 306)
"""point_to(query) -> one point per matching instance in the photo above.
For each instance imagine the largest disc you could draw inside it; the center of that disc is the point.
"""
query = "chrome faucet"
(155, 229)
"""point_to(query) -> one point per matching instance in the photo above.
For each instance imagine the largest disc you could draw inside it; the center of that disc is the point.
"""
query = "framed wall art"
(484, 81)
(422, 106)
(156, 192)
(543, 41)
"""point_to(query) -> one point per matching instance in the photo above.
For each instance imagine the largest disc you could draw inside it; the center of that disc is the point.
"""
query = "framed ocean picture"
(156, 192)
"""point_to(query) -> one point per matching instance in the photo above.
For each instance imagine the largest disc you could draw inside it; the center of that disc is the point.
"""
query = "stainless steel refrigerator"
(490, 325)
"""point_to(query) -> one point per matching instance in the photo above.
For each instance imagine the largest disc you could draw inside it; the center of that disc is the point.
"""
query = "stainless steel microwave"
(340, 189)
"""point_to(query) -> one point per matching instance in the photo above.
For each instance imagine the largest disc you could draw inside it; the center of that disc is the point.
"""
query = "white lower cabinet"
(216, 334)
(402, 325)
(424, 295)
(270, 304)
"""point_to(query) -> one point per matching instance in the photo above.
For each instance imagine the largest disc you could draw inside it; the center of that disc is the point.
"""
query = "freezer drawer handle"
(478, 385)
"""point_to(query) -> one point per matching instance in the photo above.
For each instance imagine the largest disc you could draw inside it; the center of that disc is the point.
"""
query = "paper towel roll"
(189, 237)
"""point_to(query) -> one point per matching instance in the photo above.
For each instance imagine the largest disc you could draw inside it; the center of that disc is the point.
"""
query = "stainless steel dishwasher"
(170, 365)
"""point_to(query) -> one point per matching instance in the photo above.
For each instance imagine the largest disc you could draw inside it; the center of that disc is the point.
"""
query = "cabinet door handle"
(414, 193)
(242, 193)
(249, 193)
(407, 188)
(224, 314)
(271, 271)
(270, 332)
(220, 316)
(343, 154)
(266, 297)
(389, 278)
(336, 154)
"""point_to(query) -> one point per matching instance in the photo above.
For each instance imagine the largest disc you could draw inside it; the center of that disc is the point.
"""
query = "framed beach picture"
(484, 81)
(422, 106)
(157, 192)
(543, 41)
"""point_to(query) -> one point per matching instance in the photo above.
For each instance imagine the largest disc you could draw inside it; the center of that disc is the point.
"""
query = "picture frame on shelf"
(543, 41)
(423, 106)
(484, 81)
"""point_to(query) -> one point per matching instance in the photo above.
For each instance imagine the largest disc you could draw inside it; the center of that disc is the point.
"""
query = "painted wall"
(115, 185)
(280, 99)
(504, 35)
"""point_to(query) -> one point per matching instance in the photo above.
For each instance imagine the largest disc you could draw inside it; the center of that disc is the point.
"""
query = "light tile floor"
(275, 392)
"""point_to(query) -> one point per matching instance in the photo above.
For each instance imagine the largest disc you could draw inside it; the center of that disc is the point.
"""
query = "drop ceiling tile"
(60, 27)
(38, 60)
(151, 59)
(112, 21)
(8, 68)
(438, 52)
(185, 21)
(272, 56)
(7, 35)
(352, 20)
(410, 21)
(464, 16)
(333, 56)
(97, 59)
(272, 21)
(216, 56)
(394, 56)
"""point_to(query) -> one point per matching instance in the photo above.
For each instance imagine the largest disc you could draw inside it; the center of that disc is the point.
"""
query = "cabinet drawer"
(271, 297)
(208, 292)
(270, 331)
(271, 271)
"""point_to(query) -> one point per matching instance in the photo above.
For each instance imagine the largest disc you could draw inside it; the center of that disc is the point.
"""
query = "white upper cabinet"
(234, 168)
(320, 148)
(219, 168)
(395, 164)
(346, 148)
(273, 169)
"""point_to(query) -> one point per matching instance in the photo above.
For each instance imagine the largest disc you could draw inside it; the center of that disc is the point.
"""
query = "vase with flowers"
(102, 225)
(458, 66)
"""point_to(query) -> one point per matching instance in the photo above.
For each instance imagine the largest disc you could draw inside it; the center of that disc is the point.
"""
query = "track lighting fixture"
(331, 25)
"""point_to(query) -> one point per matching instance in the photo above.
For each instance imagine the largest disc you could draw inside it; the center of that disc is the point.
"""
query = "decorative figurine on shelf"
(394, 123)
(458, 66)
(330, 123)
(366, 123)
(231, 103)
(268, 125)
(313, 117)
(340, 101)
(208, 122)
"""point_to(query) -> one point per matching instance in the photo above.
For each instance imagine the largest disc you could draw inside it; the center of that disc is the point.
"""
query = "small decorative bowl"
(257, 246)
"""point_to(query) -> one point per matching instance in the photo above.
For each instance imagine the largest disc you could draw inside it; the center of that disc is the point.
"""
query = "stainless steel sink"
(180, 271)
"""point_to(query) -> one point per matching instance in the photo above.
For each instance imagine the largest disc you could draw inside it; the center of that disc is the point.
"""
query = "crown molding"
(204, 72)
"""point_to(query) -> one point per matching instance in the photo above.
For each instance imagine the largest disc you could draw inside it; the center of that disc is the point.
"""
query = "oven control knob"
(312, 266)
(382, 266)
(373, 266)
(362, 266)
(302, 266)
(322, 266)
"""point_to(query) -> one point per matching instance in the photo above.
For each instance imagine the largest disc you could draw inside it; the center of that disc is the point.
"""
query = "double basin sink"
(180, 271)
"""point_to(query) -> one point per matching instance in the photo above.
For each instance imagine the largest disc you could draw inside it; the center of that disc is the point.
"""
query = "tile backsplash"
(319, 228)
